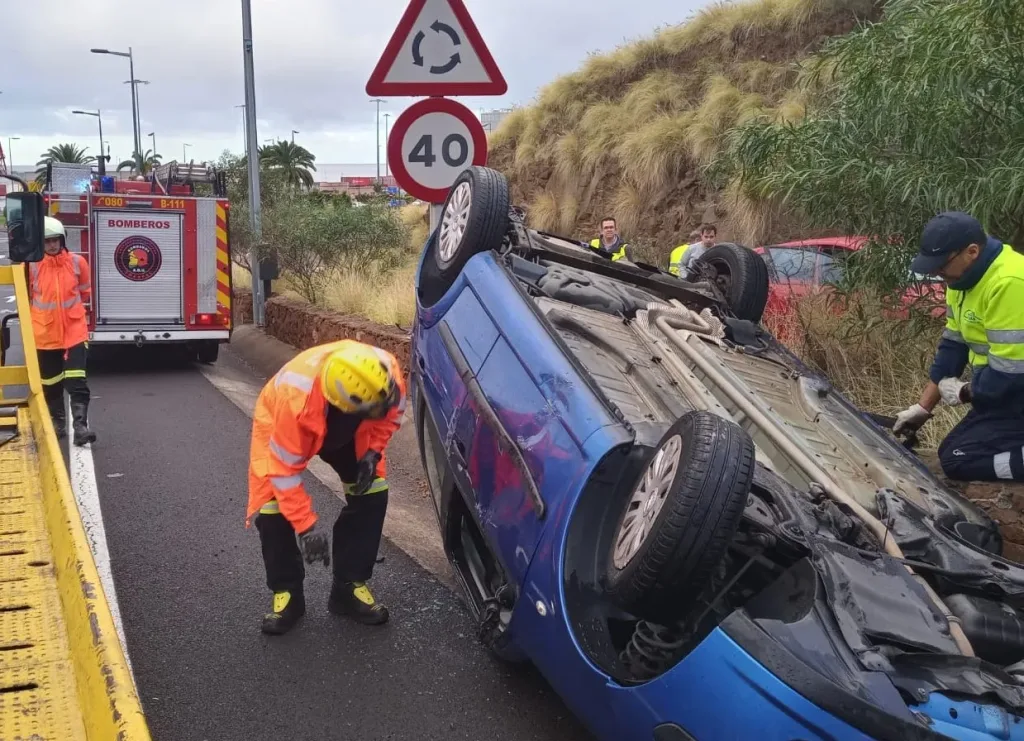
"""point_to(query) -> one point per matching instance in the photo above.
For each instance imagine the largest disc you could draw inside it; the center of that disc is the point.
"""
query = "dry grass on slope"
(629, 133)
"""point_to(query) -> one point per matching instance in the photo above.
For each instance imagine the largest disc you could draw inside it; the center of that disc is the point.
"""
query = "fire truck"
(159, 253)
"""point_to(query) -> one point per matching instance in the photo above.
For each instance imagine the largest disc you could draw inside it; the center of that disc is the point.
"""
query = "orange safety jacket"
(59, 285)
(289, 426)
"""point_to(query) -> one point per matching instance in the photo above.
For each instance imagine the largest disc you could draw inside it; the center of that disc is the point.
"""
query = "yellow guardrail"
(63, 673)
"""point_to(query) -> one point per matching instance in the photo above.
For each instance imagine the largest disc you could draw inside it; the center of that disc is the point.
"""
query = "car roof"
(847, 243)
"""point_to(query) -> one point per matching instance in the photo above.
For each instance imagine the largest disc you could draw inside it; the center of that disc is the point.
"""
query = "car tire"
(694, 488)
(742, 275)
(474, 219)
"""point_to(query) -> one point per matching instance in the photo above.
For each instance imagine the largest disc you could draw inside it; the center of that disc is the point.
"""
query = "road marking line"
(87, 496)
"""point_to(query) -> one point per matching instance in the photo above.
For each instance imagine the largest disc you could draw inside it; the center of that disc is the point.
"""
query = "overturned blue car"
(692, 535)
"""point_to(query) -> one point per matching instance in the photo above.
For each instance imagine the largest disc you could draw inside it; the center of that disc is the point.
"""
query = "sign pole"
(434, 209)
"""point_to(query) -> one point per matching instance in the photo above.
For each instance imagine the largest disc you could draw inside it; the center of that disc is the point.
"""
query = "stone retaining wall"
(303, 326)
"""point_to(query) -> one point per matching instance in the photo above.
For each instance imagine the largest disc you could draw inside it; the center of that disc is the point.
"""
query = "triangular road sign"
(436, 50)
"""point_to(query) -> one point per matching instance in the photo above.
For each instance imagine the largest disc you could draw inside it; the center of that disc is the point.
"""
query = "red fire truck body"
(160, 263)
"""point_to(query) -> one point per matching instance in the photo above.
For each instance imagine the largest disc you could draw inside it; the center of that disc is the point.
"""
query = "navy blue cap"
(944, 235)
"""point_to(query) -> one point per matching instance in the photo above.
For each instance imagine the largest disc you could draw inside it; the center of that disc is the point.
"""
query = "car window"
(832, 267)
(789, 264)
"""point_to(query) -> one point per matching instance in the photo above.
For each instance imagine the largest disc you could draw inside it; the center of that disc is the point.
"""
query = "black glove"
(367, 472)
(313, 546)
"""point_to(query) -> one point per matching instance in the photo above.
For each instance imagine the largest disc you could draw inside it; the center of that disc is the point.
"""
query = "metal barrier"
(63, 674)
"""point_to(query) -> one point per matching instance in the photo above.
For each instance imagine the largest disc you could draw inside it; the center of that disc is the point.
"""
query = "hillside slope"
(629, 134)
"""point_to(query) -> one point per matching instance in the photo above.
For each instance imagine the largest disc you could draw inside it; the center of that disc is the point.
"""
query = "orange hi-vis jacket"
(289, 427)
(59, 286)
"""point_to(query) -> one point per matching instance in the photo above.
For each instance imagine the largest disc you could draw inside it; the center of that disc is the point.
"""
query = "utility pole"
(378, 101)
(254, 166)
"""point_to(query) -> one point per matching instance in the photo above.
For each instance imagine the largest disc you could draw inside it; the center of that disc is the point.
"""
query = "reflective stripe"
(1006, 365)
(949, 310)
(53, 379)
(270, 508)
(71, 302)
(1002, 466)
(44, 305)
(285, 456)
(1005, 336)
(291, 378)
(376, 487)
(952, 334)
(82, 286)
(978, 348)
(283, 483)
(74, 373)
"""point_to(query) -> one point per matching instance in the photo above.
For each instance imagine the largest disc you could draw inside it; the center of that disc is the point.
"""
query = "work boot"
(288, 609)
(60, 423)
(354, 600)
(80, 423)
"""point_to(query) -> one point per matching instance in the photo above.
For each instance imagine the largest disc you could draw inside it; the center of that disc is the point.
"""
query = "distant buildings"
(491, 119)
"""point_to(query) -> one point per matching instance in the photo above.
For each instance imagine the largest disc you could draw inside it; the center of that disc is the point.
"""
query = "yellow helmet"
(53, 228)
(356, 379)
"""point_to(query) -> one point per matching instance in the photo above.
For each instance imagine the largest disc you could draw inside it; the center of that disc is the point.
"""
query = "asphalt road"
(14, 356)
(171, 462)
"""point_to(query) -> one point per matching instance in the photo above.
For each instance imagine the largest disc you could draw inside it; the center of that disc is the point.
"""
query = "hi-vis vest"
(987, 320)
(289, 426)
(675, 258)
(59, 285)
(618, 255)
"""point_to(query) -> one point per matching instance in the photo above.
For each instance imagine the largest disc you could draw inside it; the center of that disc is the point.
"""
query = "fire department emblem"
(137, 258)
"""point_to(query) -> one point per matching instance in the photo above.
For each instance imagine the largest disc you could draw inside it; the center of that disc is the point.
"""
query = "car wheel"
(208, 352)
(474, 219)
(680, 517)
(742, 276)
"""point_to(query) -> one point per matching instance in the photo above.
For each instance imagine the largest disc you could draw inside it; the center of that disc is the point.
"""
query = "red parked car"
(808, 266)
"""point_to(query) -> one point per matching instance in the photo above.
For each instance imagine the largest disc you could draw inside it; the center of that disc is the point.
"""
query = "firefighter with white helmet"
(59, 287)
(342, 401)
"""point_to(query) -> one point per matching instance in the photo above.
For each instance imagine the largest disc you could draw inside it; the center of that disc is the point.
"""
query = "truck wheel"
(208, 352)
(681, 516)
(474, 219)
(742, 276)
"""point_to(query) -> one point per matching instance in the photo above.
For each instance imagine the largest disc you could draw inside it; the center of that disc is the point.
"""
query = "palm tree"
(293, 160)
(70, 153)
(142, 164)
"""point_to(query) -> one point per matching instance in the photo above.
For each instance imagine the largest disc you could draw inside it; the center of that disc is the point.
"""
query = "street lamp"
(294, 132)
(387, 165)
(245, 127)
(153, 135)
(10, 152)
(378, 101)
(135, 110)
(138, 104)
(99, 119)
(184, 157)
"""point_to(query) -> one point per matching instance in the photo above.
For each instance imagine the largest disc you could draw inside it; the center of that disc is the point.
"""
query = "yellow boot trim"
(376, 487)
(362, 593)
(281, 600)
(270, 508)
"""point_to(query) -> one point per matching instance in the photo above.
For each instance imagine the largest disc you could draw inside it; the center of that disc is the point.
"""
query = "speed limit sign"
(431, 143)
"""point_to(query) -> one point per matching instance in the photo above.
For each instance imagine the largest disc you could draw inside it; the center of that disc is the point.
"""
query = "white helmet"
(53, 228)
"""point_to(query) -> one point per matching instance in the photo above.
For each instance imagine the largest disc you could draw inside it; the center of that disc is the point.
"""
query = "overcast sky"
(312, 60)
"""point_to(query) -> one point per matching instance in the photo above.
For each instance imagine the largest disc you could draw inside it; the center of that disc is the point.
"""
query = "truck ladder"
(63, 674)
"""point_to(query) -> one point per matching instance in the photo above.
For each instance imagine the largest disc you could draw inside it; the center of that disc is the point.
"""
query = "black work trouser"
(985, 447)
(63, 369)
(354, 541)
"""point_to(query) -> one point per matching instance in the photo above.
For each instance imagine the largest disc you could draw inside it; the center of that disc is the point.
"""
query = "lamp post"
(378, 101)
(152, 135)
(294, 132)
(184, 157)
(10, 150)
(387, 165)
(138, 104)
(99, 119)
(252, 155)
(135, 110)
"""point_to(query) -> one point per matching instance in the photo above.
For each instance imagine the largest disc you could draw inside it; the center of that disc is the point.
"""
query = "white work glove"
(952, 391)
(911, 418)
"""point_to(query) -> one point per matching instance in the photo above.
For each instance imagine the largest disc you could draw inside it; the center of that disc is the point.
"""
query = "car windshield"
(791, 265)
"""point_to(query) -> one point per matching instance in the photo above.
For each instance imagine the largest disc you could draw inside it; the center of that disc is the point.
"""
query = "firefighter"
(342, 401)
(59, 286)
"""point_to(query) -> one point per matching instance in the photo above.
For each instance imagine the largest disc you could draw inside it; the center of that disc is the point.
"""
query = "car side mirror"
(25, 212)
